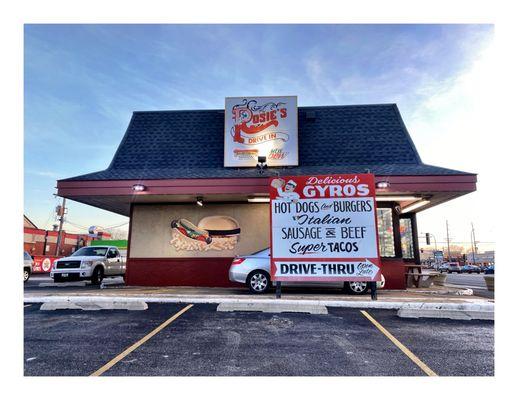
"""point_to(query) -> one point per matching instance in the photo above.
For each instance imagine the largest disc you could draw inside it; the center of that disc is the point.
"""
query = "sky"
(82, 83)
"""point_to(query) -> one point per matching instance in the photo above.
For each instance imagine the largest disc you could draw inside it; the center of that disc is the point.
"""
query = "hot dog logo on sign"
(324, 228)
(261, 126)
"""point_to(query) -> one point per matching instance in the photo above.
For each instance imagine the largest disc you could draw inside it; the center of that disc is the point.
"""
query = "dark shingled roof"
(339, 139)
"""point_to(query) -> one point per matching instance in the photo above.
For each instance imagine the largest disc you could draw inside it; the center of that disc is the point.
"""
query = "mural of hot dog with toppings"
(217, 232)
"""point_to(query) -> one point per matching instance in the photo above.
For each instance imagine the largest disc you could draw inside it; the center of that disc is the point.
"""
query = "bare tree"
(118, 234)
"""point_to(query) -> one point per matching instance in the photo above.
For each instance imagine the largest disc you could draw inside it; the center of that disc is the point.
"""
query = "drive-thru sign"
(324, 228)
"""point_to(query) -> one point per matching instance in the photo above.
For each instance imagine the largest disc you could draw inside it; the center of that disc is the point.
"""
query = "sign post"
(324, 228)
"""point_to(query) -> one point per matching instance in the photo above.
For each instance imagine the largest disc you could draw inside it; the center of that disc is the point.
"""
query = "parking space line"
(27, 305)
(136, 345)
(399, 345)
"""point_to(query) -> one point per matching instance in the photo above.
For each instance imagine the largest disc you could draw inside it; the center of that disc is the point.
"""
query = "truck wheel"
(258, 281)
(356, 288)
(97, 276)
(26, 274)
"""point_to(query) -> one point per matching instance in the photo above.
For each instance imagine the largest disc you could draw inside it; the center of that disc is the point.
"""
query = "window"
(112, 253)
(386, 233)
(91, 251)
(407, 238)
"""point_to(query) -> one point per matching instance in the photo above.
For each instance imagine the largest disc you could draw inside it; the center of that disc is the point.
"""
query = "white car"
(89, 263)
(254, 271)
(28, 264)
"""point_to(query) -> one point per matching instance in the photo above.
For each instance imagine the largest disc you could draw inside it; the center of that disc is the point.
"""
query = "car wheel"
(26, 274)
(356, 288)
(97, 276)
(258, 281)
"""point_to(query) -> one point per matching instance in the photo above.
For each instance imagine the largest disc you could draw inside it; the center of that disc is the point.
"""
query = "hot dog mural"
(216, 232)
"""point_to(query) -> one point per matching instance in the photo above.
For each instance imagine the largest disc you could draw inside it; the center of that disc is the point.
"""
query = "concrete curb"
(278, 307)
(431, 310)
(74, 304)
(420, 308)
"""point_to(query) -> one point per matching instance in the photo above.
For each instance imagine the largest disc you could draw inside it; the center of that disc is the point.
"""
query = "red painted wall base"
(204, 272)
(213, 272)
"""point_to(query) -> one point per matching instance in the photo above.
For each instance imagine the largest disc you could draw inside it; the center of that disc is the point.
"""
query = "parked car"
(470, 269)
(28, 264)
(254, 271)
(490, 270)
(450, 267)
(89, 263)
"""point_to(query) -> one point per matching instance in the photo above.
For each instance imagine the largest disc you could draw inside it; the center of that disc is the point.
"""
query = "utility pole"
(448, 240)
(61, 216)
(474, 244)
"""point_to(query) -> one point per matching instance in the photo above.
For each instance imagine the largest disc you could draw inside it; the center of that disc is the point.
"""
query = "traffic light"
(427, 238)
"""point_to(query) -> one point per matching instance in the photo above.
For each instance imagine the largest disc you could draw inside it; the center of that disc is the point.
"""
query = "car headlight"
(54, 264)
(86, 263)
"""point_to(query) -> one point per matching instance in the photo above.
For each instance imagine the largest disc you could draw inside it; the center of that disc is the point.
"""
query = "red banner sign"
(43, 264)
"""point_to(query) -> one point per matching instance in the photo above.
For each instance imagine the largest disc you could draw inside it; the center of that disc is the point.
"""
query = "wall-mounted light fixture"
(261, 164)
(199, 201)
(258, 199)
(138, 187)
(414, 206)
(382, 185)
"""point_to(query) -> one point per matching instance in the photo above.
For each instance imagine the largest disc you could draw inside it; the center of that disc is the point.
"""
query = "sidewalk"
(386, 298)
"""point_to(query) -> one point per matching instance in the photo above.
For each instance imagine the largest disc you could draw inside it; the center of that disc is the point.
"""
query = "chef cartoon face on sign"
(285, 190)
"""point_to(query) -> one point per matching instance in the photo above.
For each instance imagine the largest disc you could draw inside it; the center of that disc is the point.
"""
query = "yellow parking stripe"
(136, 345)
(400, 345)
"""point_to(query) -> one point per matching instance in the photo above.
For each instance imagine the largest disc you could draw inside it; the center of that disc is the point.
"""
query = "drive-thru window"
(196, 184)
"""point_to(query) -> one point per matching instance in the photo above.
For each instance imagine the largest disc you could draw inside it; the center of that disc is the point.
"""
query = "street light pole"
(448, 240)
(474, 244)
(434, 240)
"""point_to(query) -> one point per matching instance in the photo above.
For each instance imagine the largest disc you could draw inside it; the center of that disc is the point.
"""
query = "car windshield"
(27, 256)
(91, 251)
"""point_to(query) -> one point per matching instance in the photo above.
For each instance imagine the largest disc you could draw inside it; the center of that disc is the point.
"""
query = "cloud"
(454, 127)
(46, 174)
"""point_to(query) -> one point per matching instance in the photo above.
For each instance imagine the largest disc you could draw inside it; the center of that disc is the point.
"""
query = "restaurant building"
(180, 174)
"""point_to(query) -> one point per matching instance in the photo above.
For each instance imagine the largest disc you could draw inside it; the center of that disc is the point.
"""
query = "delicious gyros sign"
(323, 228)
(261, 126)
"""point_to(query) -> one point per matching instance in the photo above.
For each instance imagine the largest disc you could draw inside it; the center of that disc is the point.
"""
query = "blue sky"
(82, 82)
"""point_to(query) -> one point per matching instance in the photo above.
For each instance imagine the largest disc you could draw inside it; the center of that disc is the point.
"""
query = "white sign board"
(324, 228)
(261, 126)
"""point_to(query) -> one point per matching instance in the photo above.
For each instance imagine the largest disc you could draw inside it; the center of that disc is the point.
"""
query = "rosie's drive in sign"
(261, 126)
(323, 228)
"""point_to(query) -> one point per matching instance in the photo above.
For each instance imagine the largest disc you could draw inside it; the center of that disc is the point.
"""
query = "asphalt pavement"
(204, 342)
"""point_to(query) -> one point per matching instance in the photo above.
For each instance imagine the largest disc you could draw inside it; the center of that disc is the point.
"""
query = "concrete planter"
(439, 279)
(490, 282)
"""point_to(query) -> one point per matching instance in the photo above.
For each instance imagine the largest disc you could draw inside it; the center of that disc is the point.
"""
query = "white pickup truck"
(89, 263)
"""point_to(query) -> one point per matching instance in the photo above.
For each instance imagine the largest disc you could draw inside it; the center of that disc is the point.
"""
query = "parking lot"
(203, 342)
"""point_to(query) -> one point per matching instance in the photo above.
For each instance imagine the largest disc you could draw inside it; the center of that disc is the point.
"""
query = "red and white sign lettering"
(261, 126)
(43, 264)
(324, 228)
